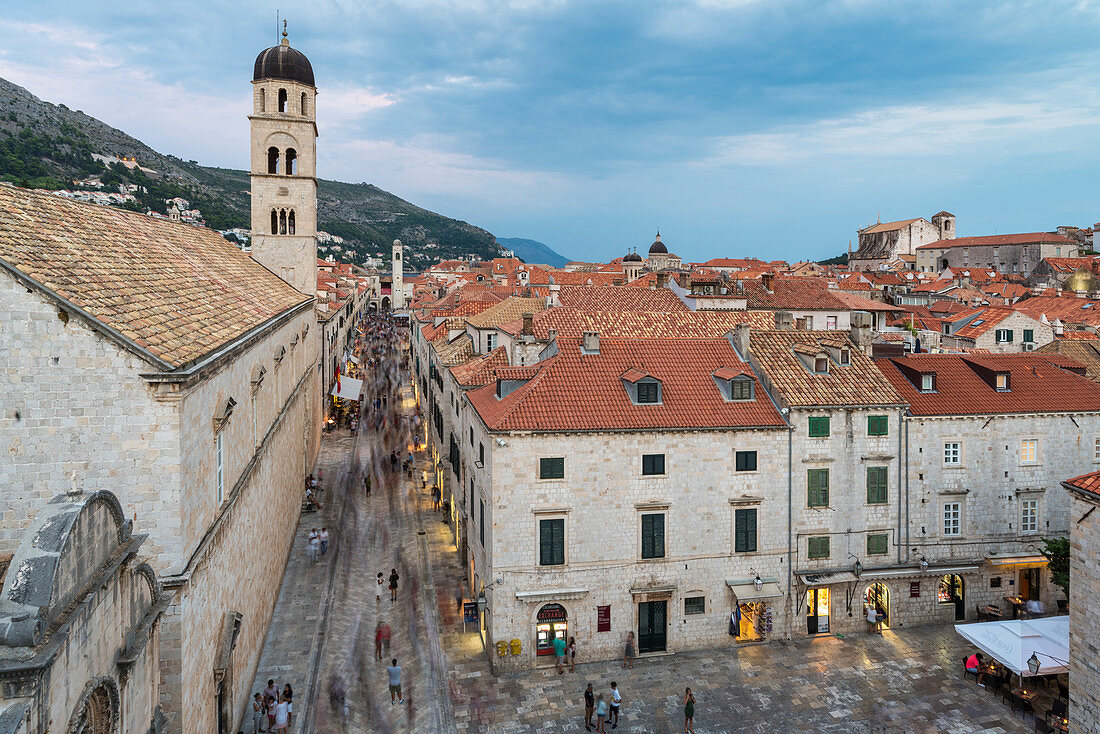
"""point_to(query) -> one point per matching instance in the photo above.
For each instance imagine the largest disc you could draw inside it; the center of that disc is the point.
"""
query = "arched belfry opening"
(282, 100)
(272, 160)
(291, 162)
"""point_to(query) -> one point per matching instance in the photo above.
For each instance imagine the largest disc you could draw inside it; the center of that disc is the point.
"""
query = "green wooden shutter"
(818, 547)
(877, 544)
(653, 536)
(819, 426)
(876, 484)
(817, 482)
(744, 531)
(877, 425)
(551, 542)
(1029, 335)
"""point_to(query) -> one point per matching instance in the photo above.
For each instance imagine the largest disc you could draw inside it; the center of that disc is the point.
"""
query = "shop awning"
(1015, 559)
(825, 578)
(350, 388)
(550, 594)
(745, 590)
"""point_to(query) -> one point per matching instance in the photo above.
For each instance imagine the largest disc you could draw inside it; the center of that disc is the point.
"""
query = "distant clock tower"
(397, 261)
(284, 165)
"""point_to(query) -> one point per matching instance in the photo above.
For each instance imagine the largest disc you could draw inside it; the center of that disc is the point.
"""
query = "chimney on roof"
(551, 334)
(766, 281)
(740, 340)
(552, 299)
(590, 342)
(861, 329)
(528, 324)
(784, 321)
(1059, 327)
(662, 280)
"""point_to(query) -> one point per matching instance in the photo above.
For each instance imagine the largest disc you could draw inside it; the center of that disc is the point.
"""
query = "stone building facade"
(1084, 623)
(1005, 253)
(995, 329)
(80, 624)
(883, 242)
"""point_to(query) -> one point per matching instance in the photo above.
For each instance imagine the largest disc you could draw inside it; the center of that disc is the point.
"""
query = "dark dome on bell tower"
(283, 62)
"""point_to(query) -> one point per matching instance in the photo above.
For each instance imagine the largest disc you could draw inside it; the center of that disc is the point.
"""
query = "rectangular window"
(952, 519)
(552, 468)
(1002, 381)
(830, 322)
(819, 426)
(746, 460)
(653, 536)
(1029, 335)
(1029, 516)
(744, 531)
(1004, 336)
(818, 547)
(648, 392)
(928, 382)
(1029, 450)
(695, 605)
(653, 464)
(877, 425)
(1096, 448)
(876, 485)
(741, 390)
(552, 542)
(471, 435)
(817, 483)
(481, 453)
(490, 342)
(219, 467)
(952, 453)
(877, 544)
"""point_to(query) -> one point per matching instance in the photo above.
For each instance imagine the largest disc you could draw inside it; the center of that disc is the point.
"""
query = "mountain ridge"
(47, 145)
(533, 251)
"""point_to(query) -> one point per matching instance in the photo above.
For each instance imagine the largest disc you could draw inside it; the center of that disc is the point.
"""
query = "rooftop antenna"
(276, 25)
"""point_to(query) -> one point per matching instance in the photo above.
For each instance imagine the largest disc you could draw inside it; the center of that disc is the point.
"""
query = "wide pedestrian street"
(908, 680)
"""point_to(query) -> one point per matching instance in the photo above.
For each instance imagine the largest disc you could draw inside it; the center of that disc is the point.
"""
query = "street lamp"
(757, 583)
(857, 568)
(1033, 663)
(482, 602)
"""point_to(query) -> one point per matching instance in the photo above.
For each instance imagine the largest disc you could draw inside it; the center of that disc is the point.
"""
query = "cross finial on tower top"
(285, 41)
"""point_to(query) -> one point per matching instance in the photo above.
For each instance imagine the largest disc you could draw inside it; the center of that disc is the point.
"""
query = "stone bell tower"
(398, 275)
(284, 165)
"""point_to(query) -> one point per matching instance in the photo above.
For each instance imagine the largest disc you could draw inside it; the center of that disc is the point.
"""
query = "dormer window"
(821, 365)
(845, 357)
(735, 384)
(741, 389)
(1001, 380)
(649, 392)
(928, 382)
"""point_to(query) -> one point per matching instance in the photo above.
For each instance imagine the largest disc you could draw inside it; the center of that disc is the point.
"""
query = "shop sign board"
(603, 618)
(914, 589)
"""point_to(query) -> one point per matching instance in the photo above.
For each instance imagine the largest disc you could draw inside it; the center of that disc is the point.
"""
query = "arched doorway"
(385, 303)
(98, 714)
(877, 596)
(551, 621)
(953, 591)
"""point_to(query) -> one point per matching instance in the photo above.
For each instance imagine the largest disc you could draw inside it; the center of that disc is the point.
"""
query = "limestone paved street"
(906, 680)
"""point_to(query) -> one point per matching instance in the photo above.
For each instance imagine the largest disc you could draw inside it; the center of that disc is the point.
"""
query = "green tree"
(1056, 551)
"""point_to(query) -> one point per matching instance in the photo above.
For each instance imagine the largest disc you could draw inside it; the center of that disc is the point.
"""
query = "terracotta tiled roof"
(463, 309)
(1068, 264)
(457, 351)
(1069, 309)
(1039, 383)
(572, 323)
(859, 303)
(619, 298)
(858, 383)
(1023, 238)
(802, 294)
(1078, 335)
(433, 332)
(888, 226)
(1085, 351)
(480, 370)
(507, 310)
(575, 392)
(978, 320)
(177, 291)
(1086, 483)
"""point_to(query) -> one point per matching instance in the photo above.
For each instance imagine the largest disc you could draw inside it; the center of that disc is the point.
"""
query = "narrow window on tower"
(273, 160)
(305, 111)
(290, 223)
(291, 161)
(263, 100)
(282, 221)
(274, 222)
(282, 100)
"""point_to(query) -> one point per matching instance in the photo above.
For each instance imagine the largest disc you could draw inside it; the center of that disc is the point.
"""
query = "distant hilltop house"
(129, 161)
(883, 242)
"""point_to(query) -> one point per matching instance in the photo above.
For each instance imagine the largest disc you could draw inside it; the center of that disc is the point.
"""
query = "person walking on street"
(394, 672)
(324, 541)
(393, 584)
(589, 707)
(378, 641)
(282, 716)
(689, 711)
(572, 654)
(314, 541)
(387, 633)
(272, 692)
(601, 714)
(366, 483)
(378, 588)
(559, 652)
(259, 714)
(288, 696)
(628, 654)
(459, 596)
(616, 702)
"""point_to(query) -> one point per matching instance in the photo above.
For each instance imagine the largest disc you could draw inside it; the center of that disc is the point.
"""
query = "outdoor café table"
(1017, 604)
(1060, 723)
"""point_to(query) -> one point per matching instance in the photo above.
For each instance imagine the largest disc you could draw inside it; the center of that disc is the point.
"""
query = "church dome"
(632, 257)
(283, 62)
(657, 246)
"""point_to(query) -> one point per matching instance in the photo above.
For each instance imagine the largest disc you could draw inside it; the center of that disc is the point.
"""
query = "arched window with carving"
(263, 100)
(282, 221)
(291, 162)
(282, 100)
(272, 160)
(305, 104)
(290, 222)
(274, 222)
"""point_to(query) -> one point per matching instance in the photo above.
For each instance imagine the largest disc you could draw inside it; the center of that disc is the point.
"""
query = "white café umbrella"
(1013, 642)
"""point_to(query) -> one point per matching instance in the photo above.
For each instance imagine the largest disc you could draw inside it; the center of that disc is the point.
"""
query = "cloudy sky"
(773, 128)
